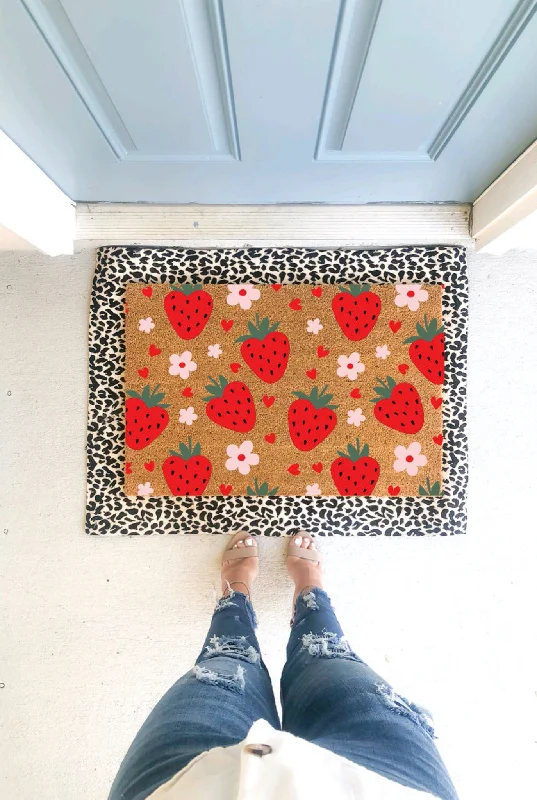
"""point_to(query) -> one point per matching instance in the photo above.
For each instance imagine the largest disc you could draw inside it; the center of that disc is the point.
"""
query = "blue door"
(269, 101)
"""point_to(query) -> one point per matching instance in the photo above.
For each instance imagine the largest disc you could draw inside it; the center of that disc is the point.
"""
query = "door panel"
(263, 101)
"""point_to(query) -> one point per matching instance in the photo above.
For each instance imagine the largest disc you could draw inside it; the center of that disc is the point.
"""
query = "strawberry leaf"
(318, 399)
(187, 288)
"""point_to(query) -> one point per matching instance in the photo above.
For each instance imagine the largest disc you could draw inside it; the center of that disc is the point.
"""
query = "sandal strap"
(239, 552)
(302, 552)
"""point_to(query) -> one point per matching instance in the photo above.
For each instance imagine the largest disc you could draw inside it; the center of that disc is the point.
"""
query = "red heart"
(438, 439)
(143, 373)
(436, 402)
(403, 368)
(154, 350)
(268, 401)
(148, 291)
(321, 352)
(356, 394)
(395, 325)
(128, 468)
(317, 292)
(149, 465)
(225, 488)
(311, 373)
(187, 392)
(277, 286)
(294, 469)
(227, 324)
(235, 367)
(126, 308)
(270, 438)
(394, 490)
(317, 467)
(295, 304)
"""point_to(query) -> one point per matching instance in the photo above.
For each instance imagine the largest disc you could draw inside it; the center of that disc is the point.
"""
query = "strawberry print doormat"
(278, 389)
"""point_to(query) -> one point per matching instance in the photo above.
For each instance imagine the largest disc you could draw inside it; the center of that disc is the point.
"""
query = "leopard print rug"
(110, 511)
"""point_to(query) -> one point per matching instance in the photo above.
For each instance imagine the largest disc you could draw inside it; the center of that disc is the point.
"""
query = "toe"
(249, 542)
(306, 542)
(298, 541)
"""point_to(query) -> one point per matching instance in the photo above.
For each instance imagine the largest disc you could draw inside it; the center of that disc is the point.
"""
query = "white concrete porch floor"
(95, 630)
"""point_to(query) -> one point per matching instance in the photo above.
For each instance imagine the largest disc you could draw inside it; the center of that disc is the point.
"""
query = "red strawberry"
(398, 406)
(265, 350)
(187, 472)
(355, 472)
(230, 405)
(311, 418)
(188, 308)
(145, 417)
(356, 310)
(427, 350)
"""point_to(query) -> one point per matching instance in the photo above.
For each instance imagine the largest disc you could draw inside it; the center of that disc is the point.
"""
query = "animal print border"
(110, 511)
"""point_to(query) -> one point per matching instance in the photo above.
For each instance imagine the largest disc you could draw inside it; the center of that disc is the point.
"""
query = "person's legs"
(330, 697)
(213, 705)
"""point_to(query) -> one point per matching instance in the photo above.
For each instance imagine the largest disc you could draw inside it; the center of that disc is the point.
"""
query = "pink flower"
(214, 351)
(410, 295)
(187, 416)
(182, 365)
(350, 366)
(146, 325)
(382, 351)
(409, 459)
(242, 294)
(144, 489)
(313, 490)
(241, 457)
(314, 326)
(355, 417)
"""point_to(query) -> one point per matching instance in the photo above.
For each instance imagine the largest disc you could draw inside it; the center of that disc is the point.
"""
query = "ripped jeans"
(329, 696)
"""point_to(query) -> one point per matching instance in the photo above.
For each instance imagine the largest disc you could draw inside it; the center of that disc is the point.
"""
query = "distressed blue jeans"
(329, 696)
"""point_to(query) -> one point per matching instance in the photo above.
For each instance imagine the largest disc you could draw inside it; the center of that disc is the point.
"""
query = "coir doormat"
(277, 389)
(283, 390)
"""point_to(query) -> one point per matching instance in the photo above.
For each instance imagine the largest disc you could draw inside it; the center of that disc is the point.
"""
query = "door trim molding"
(508, 200)
(272, 225)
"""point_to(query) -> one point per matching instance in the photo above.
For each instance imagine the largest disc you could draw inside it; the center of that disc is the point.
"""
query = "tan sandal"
(251, 551)
(303, 552)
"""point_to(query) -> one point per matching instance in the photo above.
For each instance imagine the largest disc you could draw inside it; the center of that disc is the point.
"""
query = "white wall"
(94, 630)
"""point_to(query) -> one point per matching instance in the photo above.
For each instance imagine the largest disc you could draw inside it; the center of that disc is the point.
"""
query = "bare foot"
(303, 572)
(240, 573)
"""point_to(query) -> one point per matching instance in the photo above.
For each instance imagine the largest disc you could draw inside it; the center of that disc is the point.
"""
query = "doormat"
(311, 394)
(283, 390)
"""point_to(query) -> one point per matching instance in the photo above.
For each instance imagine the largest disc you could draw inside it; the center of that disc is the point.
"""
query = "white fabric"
(294, 770)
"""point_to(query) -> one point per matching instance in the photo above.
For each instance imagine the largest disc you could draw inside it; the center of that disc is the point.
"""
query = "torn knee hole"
(405, 708)
(310, 600)
(328, 645)
(233, 647)
(234, 682)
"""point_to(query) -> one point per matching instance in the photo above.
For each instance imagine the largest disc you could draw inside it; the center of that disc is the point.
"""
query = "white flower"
(314, 326)
(350, 366)
(355, 417)
(410, 295)
(382, 352)
(409, 459)
(214, 351)
(182, 365)
(242, 294)
(313, 490)
(146, 325)
(241, 458)
(144, 489)
(187, 415)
